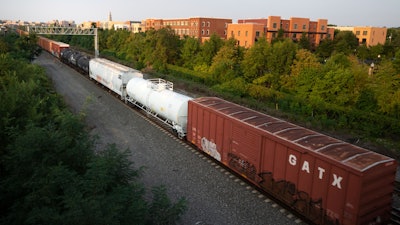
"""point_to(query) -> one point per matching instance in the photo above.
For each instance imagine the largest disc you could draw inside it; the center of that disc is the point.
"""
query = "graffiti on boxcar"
(301, 201)
(210, 148)
(242, 166)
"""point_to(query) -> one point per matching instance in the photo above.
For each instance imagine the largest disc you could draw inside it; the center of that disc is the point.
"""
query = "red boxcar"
(327, 180)
(54, 47)
(44, 43)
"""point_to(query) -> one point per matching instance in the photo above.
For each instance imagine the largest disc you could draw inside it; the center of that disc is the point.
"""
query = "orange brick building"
(293, 28)
(368, 36)
(199, 27)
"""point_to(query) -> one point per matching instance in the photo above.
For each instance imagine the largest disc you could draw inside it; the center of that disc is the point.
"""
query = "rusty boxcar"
(327, 180)
(54, 47)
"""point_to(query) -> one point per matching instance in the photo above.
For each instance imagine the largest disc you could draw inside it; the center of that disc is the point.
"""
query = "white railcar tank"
(157, 96)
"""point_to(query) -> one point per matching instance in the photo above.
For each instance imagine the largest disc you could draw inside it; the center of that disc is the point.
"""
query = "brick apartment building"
(247, 31)
(368, 36)
(198, 27)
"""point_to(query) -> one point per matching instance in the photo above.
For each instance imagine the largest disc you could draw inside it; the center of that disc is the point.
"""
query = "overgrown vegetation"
(328, 88)
(49, 172)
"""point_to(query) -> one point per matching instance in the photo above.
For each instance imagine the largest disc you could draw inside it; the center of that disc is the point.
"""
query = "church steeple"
(109, 16)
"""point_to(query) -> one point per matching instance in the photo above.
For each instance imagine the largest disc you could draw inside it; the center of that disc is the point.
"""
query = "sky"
(383, 13)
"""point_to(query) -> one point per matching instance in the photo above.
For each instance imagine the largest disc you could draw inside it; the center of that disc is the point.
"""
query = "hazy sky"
(339, 12)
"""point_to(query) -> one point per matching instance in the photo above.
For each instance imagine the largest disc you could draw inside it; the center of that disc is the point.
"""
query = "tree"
(363, 52)
(325, 49)
(135, 50)
(376, 52)
(225, 65)
(305, 42)
(255, 63)
(50, 172)
(345, 42)
(190, 49)
(305, 81)
(396, 62)
(305, 60)
(161, 48)
(209, 49)
(280, 59)
(170, 41)
(338, 60)
(386, 85)
(26, 46)
(336, 87)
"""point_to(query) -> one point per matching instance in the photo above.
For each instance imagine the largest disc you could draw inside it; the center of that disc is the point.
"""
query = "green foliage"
(326, 87)
(236, 87)
(325, 49)
(387, 89)
(346, 42)
(304, 42)
(396, 62)
(162, 210)
(255, 61)
(208, 50)
(51, 171)
(190, 49)
(188, 74)
(337, 61)
(225, 65)
(335, 87)
(281, 57)
(262, 93)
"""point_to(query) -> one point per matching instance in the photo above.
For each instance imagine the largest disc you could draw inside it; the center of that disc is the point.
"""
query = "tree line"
(51, 171)
(331, 87)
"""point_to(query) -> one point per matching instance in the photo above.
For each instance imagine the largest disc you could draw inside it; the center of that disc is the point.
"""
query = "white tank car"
(157, 97)
(112, 75)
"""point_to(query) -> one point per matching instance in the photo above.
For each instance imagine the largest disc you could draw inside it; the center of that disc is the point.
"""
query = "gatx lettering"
(321, 171)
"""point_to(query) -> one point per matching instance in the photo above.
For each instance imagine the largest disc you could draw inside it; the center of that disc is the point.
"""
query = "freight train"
(326, 180)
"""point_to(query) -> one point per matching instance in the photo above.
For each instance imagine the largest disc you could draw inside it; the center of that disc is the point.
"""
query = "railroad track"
(397, 188)
(395, 209)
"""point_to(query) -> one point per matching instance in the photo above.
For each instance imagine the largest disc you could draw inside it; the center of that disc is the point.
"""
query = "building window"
(208, 24)
(239, 33)
(202, 32)
(365, 32)
(323, 27)
(247, 33)
(274, 25)
(257, 33)
(358, 32)
(295, 26)
(232, 35)
(203, 24)
(294, 36)
(304, 27)
(208, 32)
